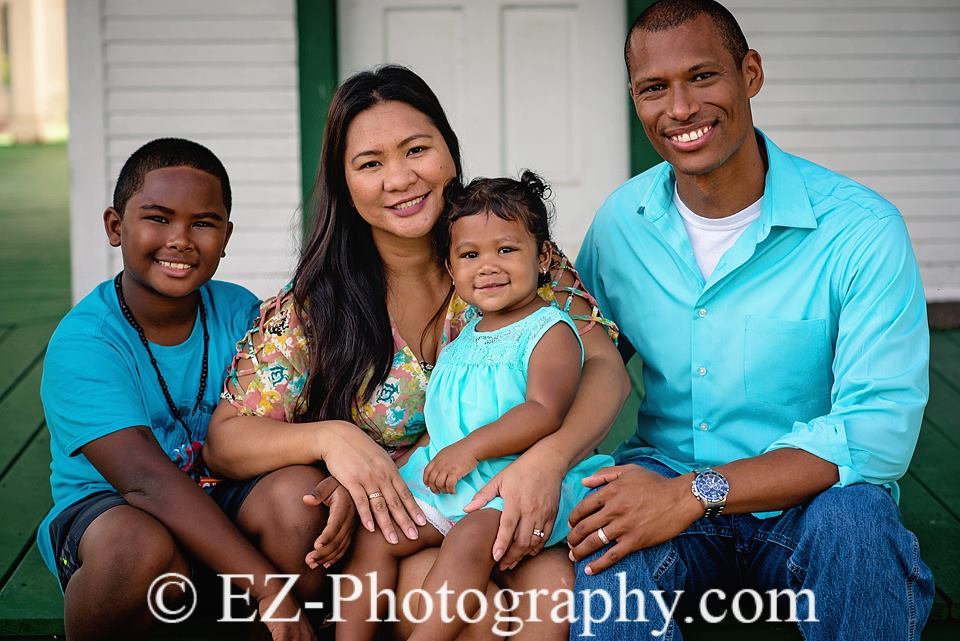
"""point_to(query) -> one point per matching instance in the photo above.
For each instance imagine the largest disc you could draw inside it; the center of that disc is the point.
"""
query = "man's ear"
(112, 220)
(752, 69)
(226, 239)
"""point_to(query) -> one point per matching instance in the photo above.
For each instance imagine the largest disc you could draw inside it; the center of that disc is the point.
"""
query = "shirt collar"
(785, 199)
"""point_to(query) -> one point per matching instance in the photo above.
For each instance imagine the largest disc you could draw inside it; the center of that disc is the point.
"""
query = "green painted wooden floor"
(34, 294)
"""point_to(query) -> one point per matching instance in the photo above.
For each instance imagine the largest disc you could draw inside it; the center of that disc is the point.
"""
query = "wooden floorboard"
(938, 532)
(22, 350)
(941, 410)
(35, 248)
(935, 465)
(25, 495)
(22, 416)
(945, 357)
(30, 601)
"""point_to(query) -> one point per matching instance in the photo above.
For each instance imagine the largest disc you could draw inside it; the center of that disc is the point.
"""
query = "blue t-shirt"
(97, 379)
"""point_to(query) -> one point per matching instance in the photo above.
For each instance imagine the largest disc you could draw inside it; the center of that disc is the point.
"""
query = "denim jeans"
(847, 546)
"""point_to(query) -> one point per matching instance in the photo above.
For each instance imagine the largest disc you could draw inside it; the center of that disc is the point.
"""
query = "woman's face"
(396, 165)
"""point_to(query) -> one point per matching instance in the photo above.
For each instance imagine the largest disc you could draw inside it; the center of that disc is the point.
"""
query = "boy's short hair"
(168, 152)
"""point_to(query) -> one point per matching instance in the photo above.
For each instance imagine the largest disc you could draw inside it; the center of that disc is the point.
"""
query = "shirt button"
(702, 312)
(702, 371)
(704, 427)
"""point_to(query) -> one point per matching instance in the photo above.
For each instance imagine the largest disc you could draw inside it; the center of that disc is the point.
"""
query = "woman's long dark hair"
(339, 288)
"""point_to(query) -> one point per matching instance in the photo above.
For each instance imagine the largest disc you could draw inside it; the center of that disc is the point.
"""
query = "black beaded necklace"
(127, 314)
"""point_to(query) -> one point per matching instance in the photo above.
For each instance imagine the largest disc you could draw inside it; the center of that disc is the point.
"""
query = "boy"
(131, 377)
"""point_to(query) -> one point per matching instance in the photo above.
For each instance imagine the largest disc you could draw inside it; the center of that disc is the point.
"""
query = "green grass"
(35, 241)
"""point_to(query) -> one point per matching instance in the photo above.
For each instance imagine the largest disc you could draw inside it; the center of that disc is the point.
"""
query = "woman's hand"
(371, 478)
(337, 535)
(450, 465)
(530, 488)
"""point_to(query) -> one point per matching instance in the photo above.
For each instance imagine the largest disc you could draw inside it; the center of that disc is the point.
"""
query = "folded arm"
(132, 461)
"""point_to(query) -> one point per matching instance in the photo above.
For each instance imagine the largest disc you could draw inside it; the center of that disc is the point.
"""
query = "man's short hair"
(168, 152)
(667, 14)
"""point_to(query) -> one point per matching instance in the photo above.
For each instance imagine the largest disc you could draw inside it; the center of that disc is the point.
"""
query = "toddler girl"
(504, 383)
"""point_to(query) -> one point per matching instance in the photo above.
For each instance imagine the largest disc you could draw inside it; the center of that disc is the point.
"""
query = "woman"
(369, 308)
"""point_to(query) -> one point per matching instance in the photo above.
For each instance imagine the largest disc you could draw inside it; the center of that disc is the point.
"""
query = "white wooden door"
(533, 84)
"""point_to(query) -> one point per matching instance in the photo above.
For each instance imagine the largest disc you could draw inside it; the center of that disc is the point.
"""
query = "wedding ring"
(375, 495)
(539, 533)
(603, 537)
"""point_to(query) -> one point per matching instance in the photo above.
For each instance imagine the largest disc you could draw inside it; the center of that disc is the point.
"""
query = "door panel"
(532, 84)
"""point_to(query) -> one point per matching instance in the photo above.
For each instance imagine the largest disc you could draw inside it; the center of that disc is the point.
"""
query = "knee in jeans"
(860, 517)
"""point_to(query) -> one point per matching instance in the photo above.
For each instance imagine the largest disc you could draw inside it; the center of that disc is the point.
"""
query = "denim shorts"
(68, 527)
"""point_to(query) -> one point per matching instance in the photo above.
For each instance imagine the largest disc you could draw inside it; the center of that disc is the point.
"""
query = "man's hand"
(335, 539)
(635, 507)
(450, 465)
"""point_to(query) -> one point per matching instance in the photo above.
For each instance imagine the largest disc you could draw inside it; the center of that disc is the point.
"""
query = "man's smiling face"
(691, 96)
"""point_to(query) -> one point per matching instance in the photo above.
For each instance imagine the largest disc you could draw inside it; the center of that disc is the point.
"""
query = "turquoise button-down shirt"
(811, 333)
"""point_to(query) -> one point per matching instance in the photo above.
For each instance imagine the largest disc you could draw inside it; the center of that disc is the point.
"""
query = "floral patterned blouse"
(276, 353)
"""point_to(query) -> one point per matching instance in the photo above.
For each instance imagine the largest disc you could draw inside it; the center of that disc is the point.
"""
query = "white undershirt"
(712, 237)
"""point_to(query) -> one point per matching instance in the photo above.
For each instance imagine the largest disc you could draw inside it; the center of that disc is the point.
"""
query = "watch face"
(711, 486)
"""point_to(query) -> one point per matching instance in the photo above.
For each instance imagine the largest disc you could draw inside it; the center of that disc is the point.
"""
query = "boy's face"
(172, 232)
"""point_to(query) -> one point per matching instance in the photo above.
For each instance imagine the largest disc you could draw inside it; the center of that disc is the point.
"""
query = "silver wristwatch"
(711, 488)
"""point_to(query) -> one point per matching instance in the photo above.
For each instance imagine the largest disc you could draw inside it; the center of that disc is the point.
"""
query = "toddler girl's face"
(495, 263)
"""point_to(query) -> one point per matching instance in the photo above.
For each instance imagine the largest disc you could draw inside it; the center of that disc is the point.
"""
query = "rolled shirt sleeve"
(880, 365)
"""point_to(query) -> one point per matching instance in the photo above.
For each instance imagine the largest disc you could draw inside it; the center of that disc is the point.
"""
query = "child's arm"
(552, 378)
(131, 460)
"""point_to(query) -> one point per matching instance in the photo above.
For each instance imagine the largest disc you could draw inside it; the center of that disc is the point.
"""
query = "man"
(779, 313)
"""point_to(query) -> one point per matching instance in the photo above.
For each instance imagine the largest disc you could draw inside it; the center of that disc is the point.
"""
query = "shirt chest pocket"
(786, 362)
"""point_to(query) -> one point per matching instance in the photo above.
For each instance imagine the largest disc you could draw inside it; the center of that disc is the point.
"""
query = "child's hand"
(335, 539)
(450, 465)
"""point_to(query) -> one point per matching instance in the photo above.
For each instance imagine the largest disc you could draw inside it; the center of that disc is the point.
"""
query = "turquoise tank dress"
(479, 377)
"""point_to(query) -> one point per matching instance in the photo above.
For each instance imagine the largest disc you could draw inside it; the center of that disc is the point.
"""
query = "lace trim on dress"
(499, 347)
